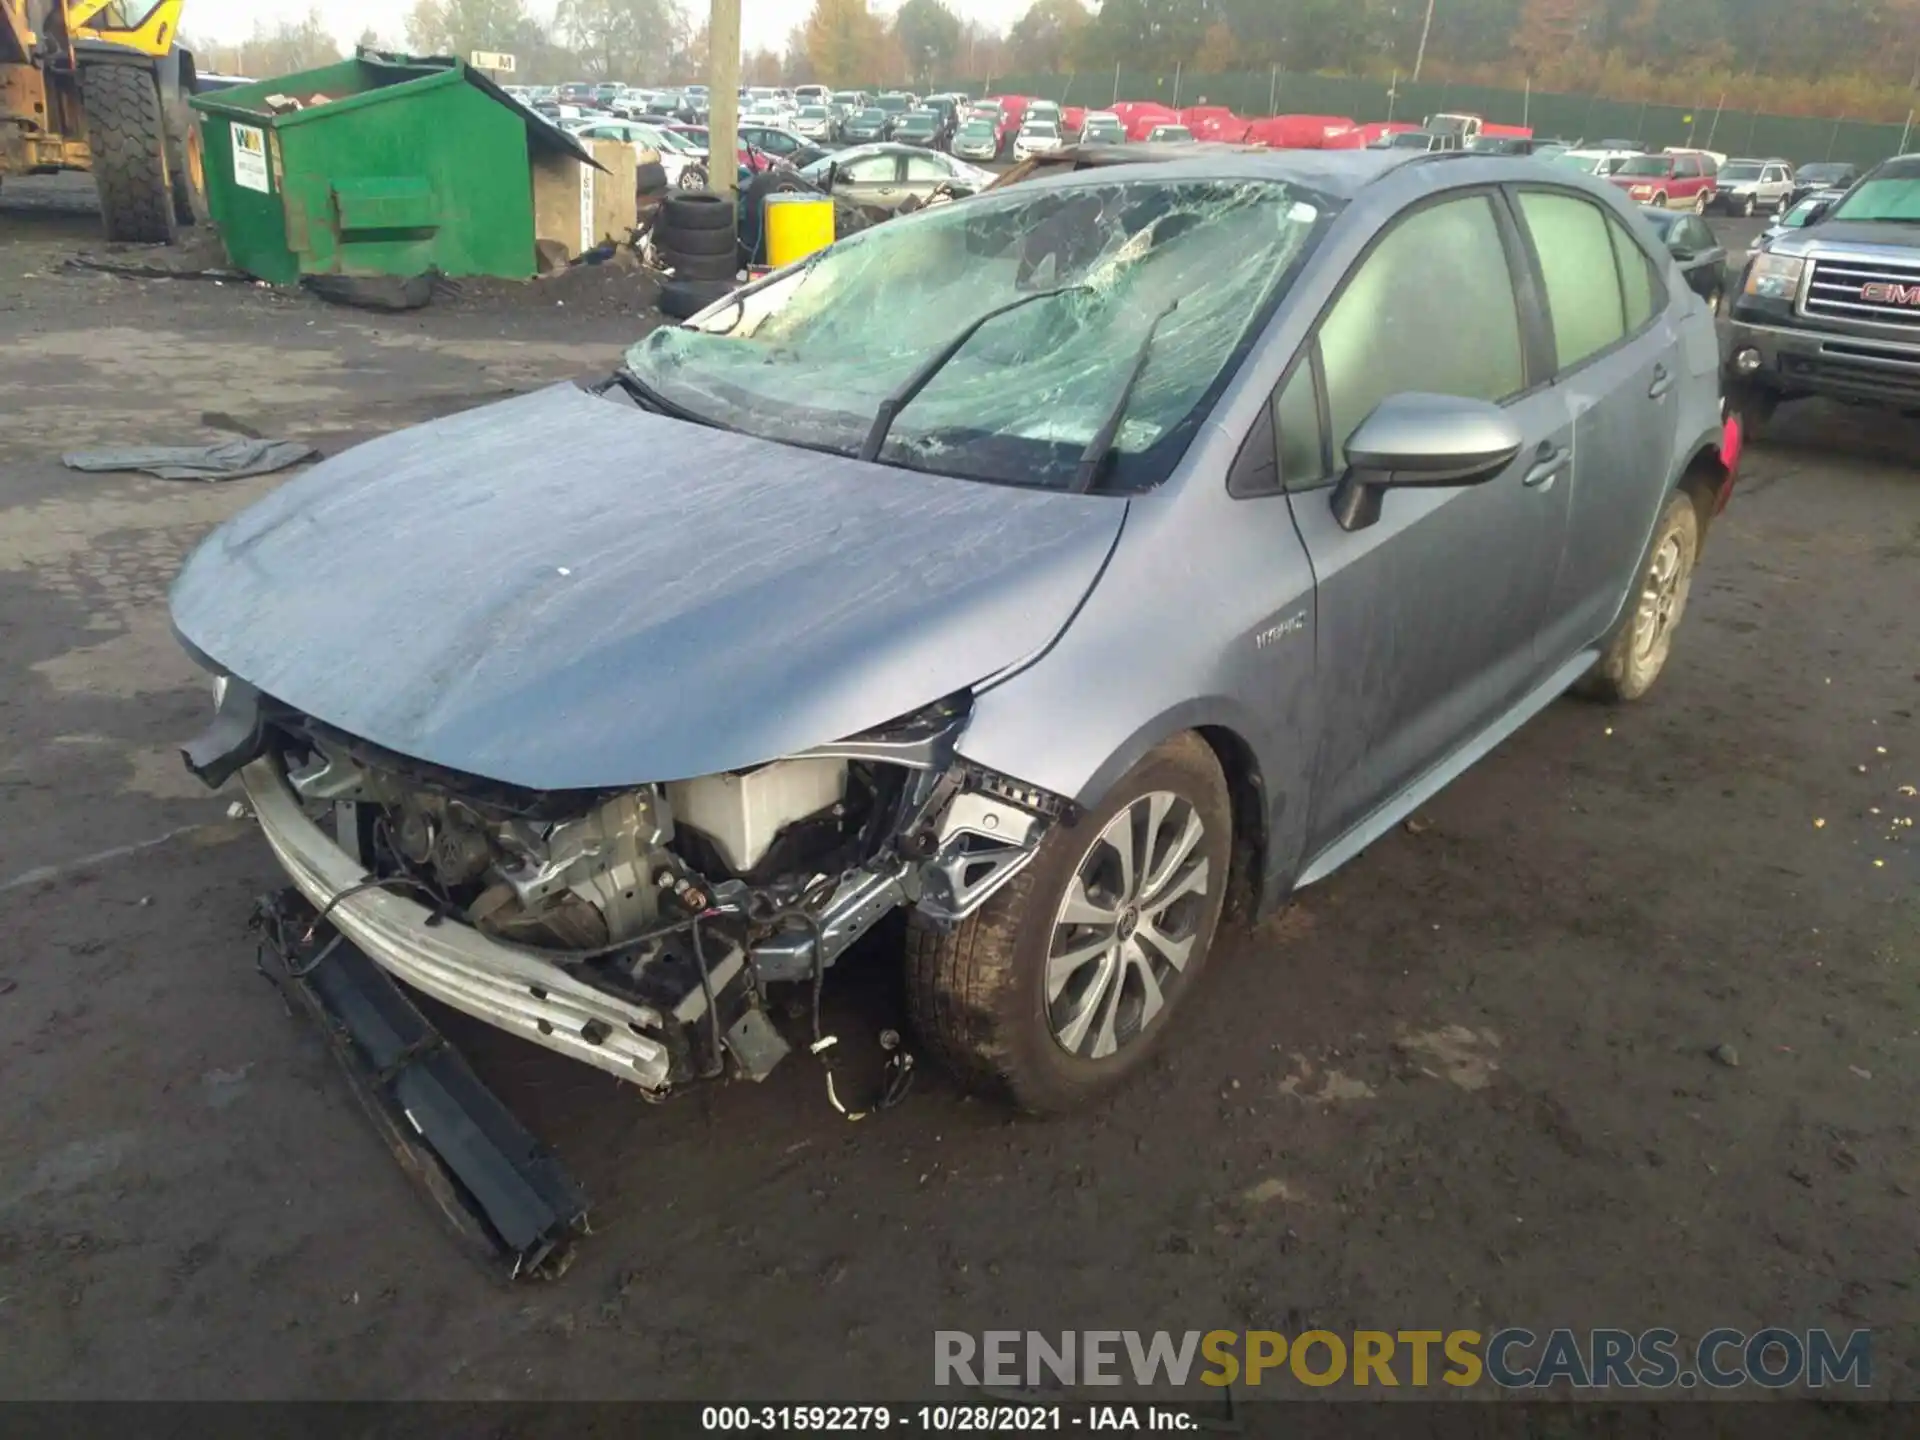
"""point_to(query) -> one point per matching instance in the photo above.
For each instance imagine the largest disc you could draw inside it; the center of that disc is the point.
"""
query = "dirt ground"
(1468, 1082)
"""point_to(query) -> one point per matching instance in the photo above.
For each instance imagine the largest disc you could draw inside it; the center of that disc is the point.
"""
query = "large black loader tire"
(186, 169)
(127, 130)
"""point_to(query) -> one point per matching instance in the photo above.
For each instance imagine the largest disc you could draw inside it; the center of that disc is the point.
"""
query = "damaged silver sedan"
(1051, 566)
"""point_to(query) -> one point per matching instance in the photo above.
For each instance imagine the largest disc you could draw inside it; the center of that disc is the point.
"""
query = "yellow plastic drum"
(797, 226)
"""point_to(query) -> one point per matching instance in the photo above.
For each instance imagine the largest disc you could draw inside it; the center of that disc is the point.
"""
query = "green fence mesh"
(1574, 117)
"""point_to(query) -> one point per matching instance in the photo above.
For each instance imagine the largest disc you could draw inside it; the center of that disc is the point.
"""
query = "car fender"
(1168, 641)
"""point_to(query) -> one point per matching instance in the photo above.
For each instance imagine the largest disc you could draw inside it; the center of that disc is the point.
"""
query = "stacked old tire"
(694, 239)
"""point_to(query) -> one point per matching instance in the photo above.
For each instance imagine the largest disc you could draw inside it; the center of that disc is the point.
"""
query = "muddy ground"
(1465, 1083)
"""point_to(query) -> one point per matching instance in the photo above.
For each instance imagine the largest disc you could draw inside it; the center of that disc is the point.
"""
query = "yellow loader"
(102, 85)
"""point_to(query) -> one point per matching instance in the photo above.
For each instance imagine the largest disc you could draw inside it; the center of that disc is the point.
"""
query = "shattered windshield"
(810, 357)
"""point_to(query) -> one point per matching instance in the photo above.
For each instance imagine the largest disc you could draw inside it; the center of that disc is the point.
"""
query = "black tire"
(1754, 404)
(1747, 207)
(1660, 201)
(650, 179)
(693, 179)
(683, 299)
(668, 236)
(701, 267)
(1633, 660)
(753, 207)
(186, 168)
(977, 995)
(695, 210)
(127, 130)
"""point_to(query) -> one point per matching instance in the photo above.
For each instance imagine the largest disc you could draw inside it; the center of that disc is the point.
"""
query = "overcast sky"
(764, 22)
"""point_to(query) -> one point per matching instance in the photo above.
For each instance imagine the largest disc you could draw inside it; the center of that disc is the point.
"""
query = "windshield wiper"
(1101, 446)
(891, 407)
(651, 399)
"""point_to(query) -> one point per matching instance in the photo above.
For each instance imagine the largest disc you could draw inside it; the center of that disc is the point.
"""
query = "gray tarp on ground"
(227, 460)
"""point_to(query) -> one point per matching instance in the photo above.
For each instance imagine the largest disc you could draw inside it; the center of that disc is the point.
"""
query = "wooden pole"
(1116, 82)
(1906, 132)
(723, 87)
(1273, 92)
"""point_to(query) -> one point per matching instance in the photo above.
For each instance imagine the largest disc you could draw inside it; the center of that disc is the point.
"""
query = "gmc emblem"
(1884, 294)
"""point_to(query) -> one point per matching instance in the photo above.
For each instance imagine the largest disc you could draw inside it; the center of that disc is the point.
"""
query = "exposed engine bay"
(683, 901)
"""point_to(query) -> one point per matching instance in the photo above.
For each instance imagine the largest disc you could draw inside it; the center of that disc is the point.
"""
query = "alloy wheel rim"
(1662, 600)
(1125, 933)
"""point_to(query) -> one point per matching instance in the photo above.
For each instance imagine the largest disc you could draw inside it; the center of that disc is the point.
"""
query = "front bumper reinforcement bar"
(499, 1188)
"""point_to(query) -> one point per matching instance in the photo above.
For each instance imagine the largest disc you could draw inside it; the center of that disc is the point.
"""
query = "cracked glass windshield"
(811, 358)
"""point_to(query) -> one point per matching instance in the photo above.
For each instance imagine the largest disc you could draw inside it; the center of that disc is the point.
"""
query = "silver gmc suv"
(1833, 308)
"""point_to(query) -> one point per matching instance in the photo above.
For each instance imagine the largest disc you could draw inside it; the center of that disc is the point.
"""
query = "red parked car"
(1215, 122)
(1303, 132)
(1683, 181)
(1140, 116)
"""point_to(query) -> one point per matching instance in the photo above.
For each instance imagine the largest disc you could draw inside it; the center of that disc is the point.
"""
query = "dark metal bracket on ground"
(503, 1193)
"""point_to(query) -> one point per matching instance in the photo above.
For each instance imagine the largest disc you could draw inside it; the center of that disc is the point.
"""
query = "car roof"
(883, 147)
(1341, 174)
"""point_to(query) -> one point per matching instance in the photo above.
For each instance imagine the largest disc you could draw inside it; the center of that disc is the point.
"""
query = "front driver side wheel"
(1061, 986)
(1641, 643)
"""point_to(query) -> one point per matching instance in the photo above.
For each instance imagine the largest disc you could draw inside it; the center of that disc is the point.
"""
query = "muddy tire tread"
(964, 986)
(953, 979)
(127, 129)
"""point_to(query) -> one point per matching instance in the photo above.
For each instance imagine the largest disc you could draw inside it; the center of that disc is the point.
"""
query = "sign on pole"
(491, 60)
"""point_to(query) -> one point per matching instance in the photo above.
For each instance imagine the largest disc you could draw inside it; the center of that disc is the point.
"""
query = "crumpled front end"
(649, 931)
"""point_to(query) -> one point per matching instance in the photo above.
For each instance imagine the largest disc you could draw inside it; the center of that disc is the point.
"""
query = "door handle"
(1662, 383)
(1548, 461)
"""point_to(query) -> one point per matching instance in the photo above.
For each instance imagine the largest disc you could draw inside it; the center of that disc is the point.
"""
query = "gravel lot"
(1465, 1083)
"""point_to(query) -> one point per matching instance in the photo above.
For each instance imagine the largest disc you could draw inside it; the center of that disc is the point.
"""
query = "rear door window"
(1584, 292)
(1637, 282)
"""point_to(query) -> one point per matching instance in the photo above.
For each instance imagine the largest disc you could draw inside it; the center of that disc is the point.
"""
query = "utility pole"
(723, 98)
(1420, 58)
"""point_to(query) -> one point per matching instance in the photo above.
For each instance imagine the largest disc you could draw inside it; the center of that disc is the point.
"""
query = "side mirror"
(1681, 253)
(1415, 440)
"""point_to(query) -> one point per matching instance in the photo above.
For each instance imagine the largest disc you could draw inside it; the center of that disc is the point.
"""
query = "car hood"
(1889, 234)
(562, 591)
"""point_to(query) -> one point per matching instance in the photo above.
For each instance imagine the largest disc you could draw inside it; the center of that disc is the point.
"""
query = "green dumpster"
(393, 165)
